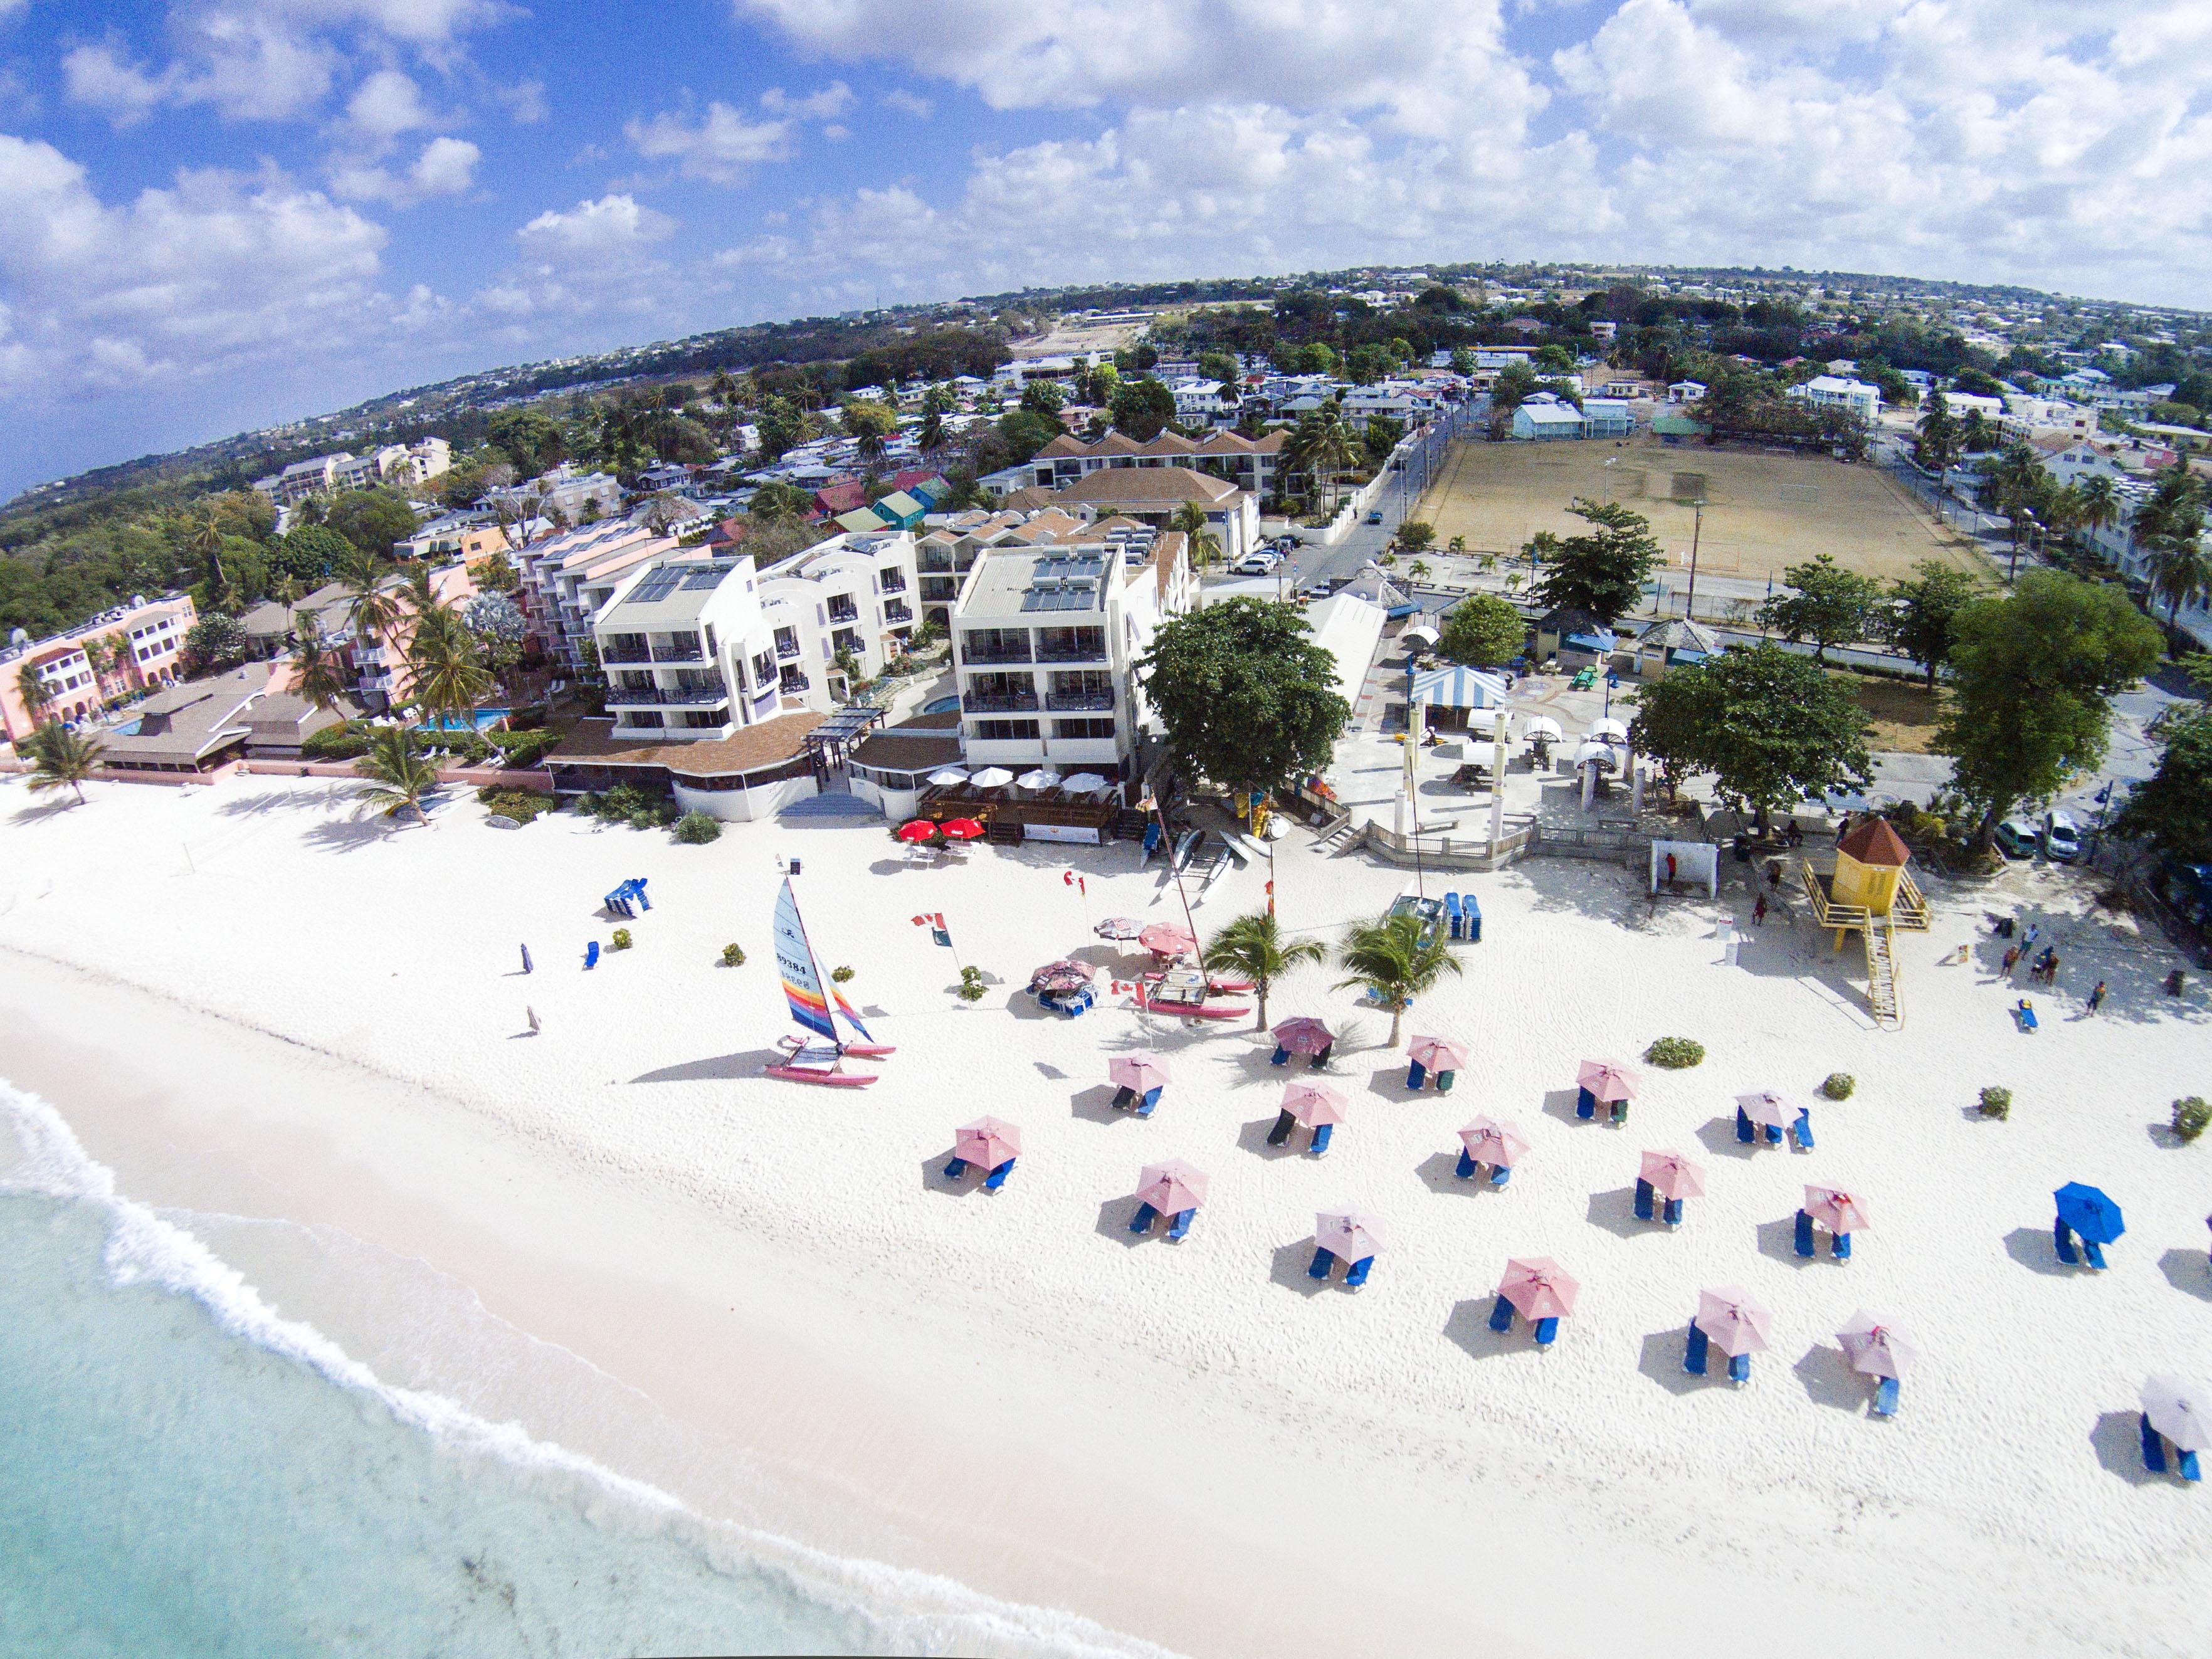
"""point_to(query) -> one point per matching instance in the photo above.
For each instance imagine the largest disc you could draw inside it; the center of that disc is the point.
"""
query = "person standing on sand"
(1759, 911)
(2011, 959)
(2097, 997)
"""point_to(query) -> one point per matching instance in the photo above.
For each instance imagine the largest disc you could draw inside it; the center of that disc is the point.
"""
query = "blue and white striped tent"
(1456, 687)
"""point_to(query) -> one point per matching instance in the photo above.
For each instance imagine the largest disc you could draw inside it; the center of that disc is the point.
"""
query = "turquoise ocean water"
(183, 1473)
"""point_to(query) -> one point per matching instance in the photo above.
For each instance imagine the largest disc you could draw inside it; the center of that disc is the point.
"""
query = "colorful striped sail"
(794, 961)
(846, 1009)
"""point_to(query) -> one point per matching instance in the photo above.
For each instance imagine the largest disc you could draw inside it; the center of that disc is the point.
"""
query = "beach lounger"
(1357, 1276)
(1451, 914)
(1416, 1075)
(956, 1168)
(2093, 1252)
(1143, 1218)
(592, 954)
(2187, 1465)
(1281, 1131)
(1547, 1332)
(1619, 1114)
(1444, 1081)
(1693, 1356)
(1465, 1167)
(2027, 1017)
(1323, 1262)
(1501, 1316)
(2063, 1235)
(1743, 1125)
(1804, 1233)
(1672, 1214)
(1124, 1099)
(1885, 1398)
(1320, 1061)
(1320, 1140)
(1281, 1056)
(1500, 1174)
(1774, 1135)
(1151, 1102)
(1182, 1228)
(1585, 1103)
(1739, 1369)
(1644, 1194)
(1804, 1130)
(1471, 918)
(1839, 1246)
(997, 1178)
(2154, 1447)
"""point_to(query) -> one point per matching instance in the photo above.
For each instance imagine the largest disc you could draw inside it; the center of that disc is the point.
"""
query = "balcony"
(792, 683)
(844, 612)
(894, 581)
(624, 654)
(1079, 651)
(1079, 702)
(670, 696)
(970, 655)
(999, 703)
(678, 652)
(934, 564)
(895, 611)
(787, 650)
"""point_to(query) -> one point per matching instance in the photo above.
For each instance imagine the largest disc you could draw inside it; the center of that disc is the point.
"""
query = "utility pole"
(1697, 531)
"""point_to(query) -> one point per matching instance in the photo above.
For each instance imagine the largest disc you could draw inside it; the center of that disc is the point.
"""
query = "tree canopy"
(1481, 631)
(1770, 726)
(1249, 702)
(2172, 813)
(1921, 609)
(1826, 604)
(372, 519)
(1603, 569)
(1143, 408)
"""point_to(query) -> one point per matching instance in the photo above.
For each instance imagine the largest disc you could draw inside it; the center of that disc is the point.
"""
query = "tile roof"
(592, 743)
(1163, 486)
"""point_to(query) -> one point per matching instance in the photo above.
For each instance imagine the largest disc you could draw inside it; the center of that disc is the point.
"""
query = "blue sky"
(217, 214)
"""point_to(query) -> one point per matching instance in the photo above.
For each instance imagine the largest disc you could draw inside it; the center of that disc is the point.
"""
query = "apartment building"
(382, 680)
(565, 495)
(78, 671)
(687, 651)
(467, 537)
(565, 578)
(1833, 392)
(402, 466)
(854, 596)
(1250, 464)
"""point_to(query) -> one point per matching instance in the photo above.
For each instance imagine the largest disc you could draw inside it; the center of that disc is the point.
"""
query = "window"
(1082, 729)
(633, 717)
(1013, 731)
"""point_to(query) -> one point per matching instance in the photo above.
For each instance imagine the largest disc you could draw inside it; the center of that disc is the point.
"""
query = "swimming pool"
(483, 720)
(940, 705)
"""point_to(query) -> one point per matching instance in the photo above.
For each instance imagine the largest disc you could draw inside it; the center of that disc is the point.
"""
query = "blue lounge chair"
(1465, 1167)
(1357, 1276)
(638, 883)
(1501, 1316)
(2063, 1235)
(1774, 1135)
(1839, 1246)
(997, 1178)
(1739, 1369)
(1500, 1174)
(1885, 1398)
(1620, 1112)
(592, 954)
(2026, 1014)
(1693, 1356)
(1320, 1061)
(1743, 1128)
(1283, 1124)
(2093, 1252)
(1644, 1195)
(1804, 1233)
(1547, 1332)
(1124, 1097)
(1322, 1262)
(1182, 1228)
(1151, 1101)
(1471, 916)
(1153, 840)
(1804, 1129)
(1320, 1140)
(956, 1168)
(1143, 1218)
(1444, 1081)
(1282, 1056)
(1416, 1075)
(1451, 914)
(1585, 1103)
(1672, 1214)
(2154, 1447)
(2187, 1467)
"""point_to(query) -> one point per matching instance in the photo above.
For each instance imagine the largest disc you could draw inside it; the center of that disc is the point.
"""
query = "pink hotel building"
(139, 645)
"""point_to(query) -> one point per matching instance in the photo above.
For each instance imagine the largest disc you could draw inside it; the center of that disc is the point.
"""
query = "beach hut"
(1666, 1178)
(1841, 1212)
(2086, 1214)
(2177, 1413)
(1453, 694)
(1538, 1289)
(1303, 1036)
(1139, 1077)
(1484, 1144)
(1174, 1189)
(1605, 1082)
(1351, 1236)
(1314, 1107)
(1443, 1055)
(1763, 1108)
(1881, 1351)
(1730, 1318)
(989, 1143)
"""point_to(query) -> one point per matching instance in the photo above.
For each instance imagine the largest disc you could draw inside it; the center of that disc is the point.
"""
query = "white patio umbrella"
(2179, 1410)
(1596, 754)
(1609, 728)
(1764, 1106)
(1348, 1235)
(945, 776)
(1083, 783)
(992, 777)
(1042, 777)
(1543, 725)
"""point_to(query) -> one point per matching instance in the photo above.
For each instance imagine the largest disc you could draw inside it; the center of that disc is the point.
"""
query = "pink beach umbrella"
(1348, 1234)
(1607, 1079)
(1673, 1177)
(1143, 1071)
(1538, 1288)
(987, 1143)
(1838, 1211)
(1732, 1321)
(1164, 939)
(1312, 1104)
(1499, 1144)
(1063, 975)
(1173, 1186)
(1764, 1106)
(1875, 1348)
(1438, 1053)
(1304, 1036)
(1120, 927)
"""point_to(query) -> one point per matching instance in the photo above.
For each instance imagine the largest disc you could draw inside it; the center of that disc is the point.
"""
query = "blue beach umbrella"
(2089, 1212)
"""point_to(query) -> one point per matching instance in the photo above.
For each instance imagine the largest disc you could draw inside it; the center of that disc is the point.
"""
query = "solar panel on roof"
(658, 584)
(700, 581)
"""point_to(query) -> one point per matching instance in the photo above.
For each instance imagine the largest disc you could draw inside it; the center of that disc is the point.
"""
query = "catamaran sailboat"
(817, 1005)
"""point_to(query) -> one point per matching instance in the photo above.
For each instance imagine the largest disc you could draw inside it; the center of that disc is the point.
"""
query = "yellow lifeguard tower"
(1870, 893)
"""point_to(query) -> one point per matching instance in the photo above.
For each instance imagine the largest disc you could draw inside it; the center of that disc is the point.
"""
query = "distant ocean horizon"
(186, 1474)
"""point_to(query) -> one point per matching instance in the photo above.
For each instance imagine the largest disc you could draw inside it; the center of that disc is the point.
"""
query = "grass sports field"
(1762, 511)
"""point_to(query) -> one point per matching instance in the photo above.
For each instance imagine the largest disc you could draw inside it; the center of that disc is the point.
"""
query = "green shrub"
(840, 975)
(621, 939)
(2192, 1117)
(1675, 1054)
(733, 956)
(343, 741)
(521, 805)
(521, 751)
(971, 985)
(1838, 1086)
(697, 829)
(1997, 1102)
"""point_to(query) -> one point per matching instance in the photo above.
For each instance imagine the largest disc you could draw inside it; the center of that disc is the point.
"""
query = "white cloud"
(445, 167)
(525, 101)
(910, 103)
(833, 99)
(98, 77)
(386, 105)
(594, 232)
(721, 147)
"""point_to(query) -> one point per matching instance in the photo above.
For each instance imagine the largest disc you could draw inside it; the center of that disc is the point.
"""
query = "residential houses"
(1834, 392)
(1250, 464)
(404, 467)
(466, 536)
(566, 495)
(379, 660)
(137, 646)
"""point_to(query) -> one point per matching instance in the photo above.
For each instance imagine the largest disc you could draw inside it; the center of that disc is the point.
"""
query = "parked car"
(2062, 837)
(2017, 837)
(1375, 515)
(1256, 564)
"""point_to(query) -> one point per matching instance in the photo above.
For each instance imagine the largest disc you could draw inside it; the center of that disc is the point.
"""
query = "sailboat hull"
(830, 1079)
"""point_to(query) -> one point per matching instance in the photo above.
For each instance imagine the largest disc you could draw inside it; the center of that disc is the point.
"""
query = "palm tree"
(1253, 947)
(372, 610)
(1321, 447)
(61, 759)
(1389, 959)
(2180, 571)
(1205, 546)
(2101, 502)
(403, 778)
(446, 664)
(33, 690)
(321, 677)
(204, 540)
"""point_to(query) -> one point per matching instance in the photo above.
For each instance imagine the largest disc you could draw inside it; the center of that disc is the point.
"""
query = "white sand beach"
(762, 1297)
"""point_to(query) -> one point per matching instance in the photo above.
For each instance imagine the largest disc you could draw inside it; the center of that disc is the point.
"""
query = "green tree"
(1939, 434)
(1390, 961)
(1380, 436)
(1249, 702)
(1417, 536)
(1023, 432)
(2033, 676)
(2171, 814)
(1462, 362)
(530, 438)
(1826, 604)
(401, 778)
(446, 665)
(203, 537)
(2180, 571)
(1771, 727)
(373, 607)
(310, 553)
(1205, 546)
(1921, 609)
(1253, 947)
(63, 759)
(320, 677)
(1602, 570)
(1320, 447)
(1481, 631)
(1142, 409)
(1218, 366)
(213, 644)
(870, 424)
(372, 519)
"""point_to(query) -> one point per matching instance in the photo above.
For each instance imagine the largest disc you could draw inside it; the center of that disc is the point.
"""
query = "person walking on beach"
(2048, 969)
(2011, 959)
(1759, 911)
(2097, 997)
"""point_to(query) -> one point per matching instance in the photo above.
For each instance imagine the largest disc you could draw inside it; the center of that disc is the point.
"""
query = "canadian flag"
(1069, 878)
